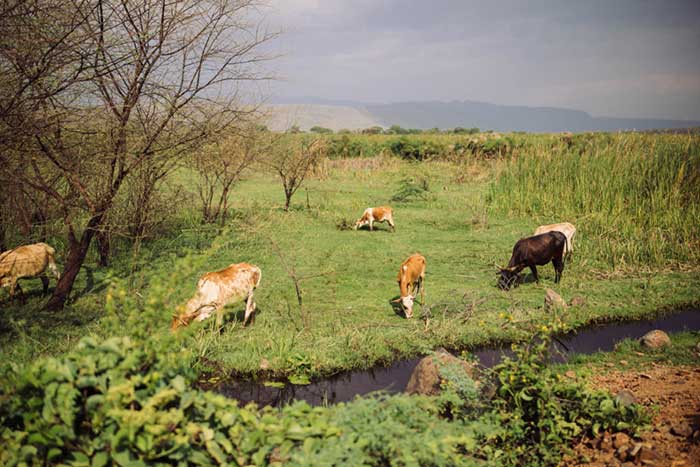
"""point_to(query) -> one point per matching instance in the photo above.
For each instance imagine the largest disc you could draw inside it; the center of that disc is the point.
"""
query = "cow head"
(508, 277)
(406, 304)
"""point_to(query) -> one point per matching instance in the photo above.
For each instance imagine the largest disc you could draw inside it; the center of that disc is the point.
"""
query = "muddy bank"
(674, 437)
(393, 378)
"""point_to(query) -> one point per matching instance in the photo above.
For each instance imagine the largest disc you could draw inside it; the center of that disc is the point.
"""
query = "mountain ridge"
(484, 115)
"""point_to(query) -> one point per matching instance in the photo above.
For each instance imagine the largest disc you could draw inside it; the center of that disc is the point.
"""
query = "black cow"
(535, 251)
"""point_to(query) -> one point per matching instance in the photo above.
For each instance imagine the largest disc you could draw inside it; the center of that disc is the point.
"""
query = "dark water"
(345, 386)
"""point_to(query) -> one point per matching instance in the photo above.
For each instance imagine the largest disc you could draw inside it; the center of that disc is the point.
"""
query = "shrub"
(411, 189)
(542, 414)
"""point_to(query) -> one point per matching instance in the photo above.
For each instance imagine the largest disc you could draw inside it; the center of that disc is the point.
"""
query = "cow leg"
(23, 298)
(391, 224)
(249, 308)
(422, 292)
(533, 268)
(219, 316)
(558, 269)
(45, 283)
(371, 223)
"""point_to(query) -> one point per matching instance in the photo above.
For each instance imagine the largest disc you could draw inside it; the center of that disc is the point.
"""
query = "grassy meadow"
(633, 198)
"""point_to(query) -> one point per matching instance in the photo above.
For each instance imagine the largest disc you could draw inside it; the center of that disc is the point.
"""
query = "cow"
(532, 252)
(217, 289)
(410, 279)
(27, 261)
(372, 215)
(566, 228)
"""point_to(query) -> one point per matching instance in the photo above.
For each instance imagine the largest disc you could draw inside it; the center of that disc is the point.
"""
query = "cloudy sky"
(626, 58)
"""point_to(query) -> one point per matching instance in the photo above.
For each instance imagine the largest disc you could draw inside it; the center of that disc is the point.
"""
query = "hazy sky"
(608, 57)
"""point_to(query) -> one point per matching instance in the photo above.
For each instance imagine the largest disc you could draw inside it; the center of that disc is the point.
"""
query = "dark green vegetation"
(128, 403)
(463, 212)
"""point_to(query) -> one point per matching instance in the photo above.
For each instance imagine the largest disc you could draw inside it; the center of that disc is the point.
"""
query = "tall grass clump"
(634, 198)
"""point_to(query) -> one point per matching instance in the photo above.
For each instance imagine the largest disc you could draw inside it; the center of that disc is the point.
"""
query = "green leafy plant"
(542, 413)
(411, 189)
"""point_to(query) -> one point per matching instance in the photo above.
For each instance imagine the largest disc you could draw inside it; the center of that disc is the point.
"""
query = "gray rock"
(426, 377)
(625, 397)
(553, 301)
(656, 339)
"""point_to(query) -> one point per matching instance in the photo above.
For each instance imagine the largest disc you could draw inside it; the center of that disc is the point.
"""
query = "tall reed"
(635, 198)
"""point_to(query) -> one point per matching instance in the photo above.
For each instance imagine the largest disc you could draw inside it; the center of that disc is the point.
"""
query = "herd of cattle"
(237, 282)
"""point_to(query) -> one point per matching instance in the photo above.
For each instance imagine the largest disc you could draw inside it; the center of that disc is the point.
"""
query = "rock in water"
(426, 377)
(553, 300)
(656, 339)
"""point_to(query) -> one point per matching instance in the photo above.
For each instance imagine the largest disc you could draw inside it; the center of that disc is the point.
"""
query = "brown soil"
(674, 437)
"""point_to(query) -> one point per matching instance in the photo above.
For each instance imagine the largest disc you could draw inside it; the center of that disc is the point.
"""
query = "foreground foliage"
(122, 402)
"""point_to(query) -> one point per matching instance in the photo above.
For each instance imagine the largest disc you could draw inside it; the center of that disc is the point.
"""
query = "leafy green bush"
(123, 403)
(411, 189)
(118, 403)
(542, 413)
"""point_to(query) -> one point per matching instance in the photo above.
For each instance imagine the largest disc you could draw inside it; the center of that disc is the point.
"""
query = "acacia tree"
(292, 157)
(148, 78)
(221, 165)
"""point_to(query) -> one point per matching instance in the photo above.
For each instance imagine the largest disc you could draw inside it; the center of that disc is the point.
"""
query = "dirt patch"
(674, 437)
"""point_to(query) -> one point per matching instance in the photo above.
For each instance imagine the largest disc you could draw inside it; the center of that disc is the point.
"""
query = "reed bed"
(635, 198)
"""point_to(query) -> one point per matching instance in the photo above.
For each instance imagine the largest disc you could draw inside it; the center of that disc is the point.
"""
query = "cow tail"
(257, 276)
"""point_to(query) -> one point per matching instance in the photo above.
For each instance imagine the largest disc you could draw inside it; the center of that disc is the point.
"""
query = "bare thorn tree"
(143, 79)
(292, 157)
(221, 165)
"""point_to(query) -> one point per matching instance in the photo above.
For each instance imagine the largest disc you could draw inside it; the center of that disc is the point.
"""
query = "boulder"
(656, 339)
(553, 300)
(625, 397)
(426, 377)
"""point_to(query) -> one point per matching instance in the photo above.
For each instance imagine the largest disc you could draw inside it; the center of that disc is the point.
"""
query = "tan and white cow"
(217, 289)
(566, 228)
(372, 215)
(410, 279)
(27, 261)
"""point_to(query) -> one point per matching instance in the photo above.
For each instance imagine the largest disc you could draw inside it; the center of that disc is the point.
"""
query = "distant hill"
(335, 117)
(430, 114)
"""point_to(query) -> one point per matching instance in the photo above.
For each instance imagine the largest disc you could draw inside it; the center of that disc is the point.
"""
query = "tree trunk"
(3, 247)
(103, 248)
(74, 261)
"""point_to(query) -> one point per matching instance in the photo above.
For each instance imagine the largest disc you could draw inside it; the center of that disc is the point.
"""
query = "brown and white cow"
(372, 215)
(27, 261)
(566, 228)
(217, 289)
(410, 278)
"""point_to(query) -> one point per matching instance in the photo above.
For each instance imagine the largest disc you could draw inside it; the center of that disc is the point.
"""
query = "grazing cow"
(534, 251)
(217, 289)
(372, 215)
(566, 228)
(25, 262)
(411, 276)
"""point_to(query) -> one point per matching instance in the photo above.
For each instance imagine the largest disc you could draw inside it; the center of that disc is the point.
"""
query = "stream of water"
(393, 378)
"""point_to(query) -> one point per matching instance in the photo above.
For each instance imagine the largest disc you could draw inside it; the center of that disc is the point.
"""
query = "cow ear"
(397, 300)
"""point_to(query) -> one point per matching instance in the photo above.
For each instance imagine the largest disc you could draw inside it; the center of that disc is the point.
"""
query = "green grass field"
(348, 278)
